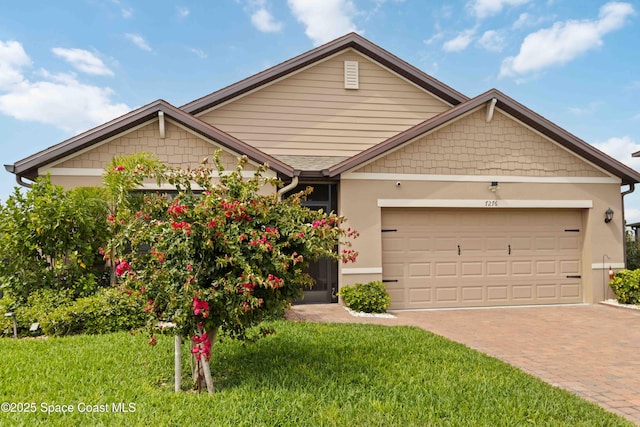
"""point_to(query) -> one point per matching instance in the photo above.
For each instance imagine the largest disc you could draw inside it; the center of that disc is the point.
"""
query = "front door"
(323, 271)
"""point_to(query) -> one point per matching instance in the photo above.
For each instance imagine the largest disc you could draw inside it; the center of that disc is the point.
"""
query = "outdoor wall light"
(494, 186)
(608, 216)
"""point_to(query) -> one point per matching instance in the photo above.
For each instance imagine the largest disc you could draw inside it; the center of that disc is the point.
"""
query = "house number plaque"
(491, 203)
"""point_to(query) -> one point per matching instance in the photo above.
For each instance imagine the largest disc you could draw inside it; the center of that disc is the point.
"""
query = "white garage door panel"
(481, 257)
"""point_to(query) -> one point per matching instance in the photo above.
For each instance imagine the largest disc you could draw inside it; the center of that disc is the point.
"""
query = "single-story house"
(460, 202)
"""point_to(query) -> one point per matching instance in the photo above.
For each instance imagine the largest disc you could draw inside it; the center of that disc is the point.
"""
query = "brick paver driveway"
(590, 350)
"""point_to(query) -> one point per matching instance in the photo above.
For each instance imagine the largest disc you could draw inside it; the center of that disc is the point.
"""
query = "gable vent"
(351, 79)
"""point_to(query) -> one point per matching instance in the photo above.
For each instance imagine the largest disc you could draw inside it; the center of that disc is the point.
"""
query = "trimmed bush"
(109, 310)
(626, 286)
(370, 297)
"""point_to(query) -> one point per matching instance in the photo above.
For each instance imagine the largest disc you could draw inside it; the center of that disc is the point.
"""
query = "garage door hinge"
(389, 281)
(572, 230)
(574, 277)
(389, 230)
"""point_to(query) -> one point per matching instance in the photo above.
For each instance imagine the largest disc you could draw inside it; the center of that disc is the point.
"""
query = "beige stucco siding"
(358, 201)
(470, 146)
(179, 148)
(311, 113)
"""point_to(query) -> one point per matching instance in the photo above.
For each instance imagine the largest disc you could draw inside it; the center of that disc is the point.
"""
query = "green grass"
(304, 375)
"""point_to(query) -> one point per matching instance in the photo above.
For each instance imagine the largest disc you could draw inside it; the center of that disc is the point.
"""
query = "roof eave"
(29, 166)
(351, 40)
(627, 175)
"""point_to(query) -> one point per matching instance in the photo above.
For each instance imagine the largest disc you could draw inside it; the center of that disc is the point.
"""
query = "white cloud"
(56, 99)
(460, 42)
(198, 52)
(492, 40)
(433, 38)
(265, 22)
(324, 20)
(565, 41)
(139, 41)
(620, 148)
(83, 60)
(590, 108)
(183, 12)
(126, 12)
(12, 59)
(485, 8)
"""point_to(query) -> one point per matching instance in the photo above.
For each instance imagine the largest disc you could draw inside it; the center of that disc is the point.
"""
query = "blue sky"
(69, 65)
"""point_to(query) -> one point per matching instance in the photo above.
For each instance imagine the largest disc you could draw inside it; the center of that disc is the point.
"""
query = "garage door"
(481, 257)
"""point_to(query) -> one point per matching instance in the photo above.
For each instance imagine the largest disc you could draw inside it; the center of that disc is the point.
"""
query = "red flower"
(202, 346)
(200, 307)
(122, 268)
(189, 267)
(118, 168)
(182, 225)
(176, 209)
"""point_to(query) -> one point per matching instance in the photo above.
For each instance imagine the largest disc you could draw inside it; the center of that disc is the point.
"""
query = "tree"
(223, 257)
(50, 239)
(632, 248)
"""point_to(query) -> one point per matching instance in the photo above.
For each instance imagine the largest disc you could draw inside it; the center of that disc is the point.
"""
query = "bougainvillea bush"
(217, 254)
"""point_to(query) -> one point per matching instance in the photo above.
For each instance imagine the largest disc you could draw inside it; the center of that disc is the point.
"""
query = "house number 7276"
(491, 203)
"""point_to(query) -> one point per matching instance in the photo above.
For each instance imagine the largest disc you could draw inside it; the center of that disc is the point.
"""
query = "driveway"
(590, 350)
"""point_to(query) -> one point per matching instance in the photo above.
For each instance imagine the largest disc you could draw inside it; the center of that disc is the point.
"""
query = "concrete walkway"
(590, 350)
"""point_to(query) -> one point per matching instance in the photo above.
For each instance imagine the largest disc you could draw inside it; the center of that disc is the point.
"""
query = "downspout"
(11, 169)
(632, 187)
(288, 187)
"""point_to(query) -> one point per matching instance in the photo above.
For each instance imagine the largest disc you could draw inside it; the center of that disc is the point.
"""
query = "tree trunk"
(201, 371)
(205, 363)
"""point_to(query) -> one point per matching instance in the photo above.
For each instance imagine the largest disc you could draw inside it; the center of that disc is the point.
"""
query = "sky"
(69, 65)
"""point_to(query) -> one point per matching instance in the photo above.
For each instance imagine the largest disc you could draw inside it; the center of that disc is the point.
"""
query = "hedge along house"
(460, 202)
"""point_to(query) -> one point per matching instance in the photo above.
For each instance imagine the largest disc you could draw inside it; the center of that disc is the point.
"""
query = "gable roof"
(509, 106)
(329, 167)
(28, 167)
(351, 40)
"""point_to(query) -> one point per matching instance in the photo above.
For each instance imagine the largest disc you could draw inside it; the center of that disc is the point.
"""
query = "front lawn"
(305, 375)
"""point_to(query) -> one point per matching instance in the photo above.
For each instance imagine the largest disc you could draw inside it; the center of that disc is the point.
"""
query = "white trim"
(169, 187)
(364, 270)
(606, 265)
(371, 176)
(71, 171)
(482, 203)
(161, 122)
(100, 172)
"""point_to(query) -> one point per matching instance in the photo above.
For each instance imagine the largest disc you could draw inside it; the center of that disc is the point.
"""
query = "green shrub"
(370, 297)
(626, 286)
(41, 303)
(109, 310)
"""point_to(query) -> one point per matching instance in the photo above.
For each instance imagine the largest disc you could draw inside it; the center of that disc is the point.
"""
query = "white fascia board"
(363, 270)
(375, 176)
(484, 203)
(606, 265)
(100, 172)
